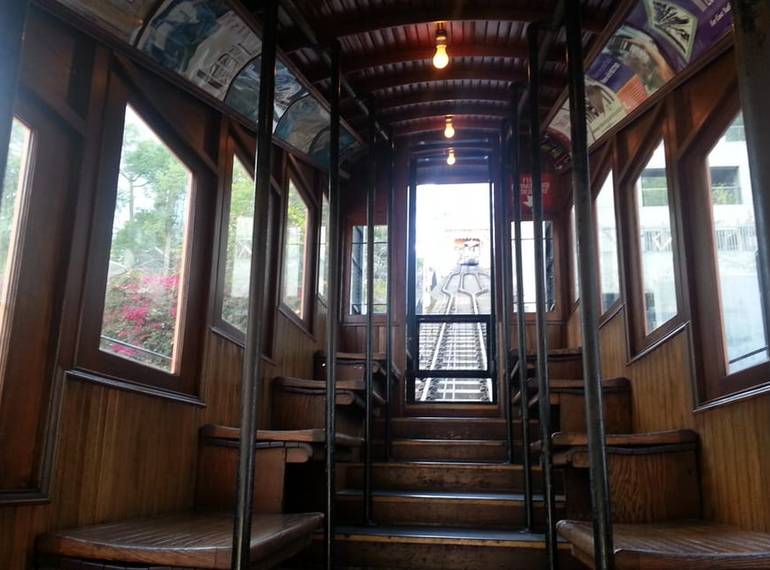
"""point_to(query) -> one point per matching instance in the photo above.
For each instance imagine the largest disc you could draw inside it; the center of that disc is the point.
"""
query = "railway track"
(456, 346)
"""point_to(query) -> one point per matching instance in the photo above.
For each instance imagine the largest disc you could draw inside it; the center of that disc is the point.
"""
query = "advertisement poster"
(526, 194)
(657, 40)
(204, 41)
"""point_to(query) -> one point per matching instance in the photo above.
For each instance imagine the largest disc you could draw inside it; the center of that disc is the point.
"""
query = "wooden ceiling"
(388, 45)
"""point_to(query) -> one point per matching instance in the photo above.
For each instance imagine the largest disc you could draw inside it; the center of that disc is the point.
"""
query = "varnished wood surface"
(672, 437)
(675, 545)
(319, 386)
(302, 436)
(189, 539)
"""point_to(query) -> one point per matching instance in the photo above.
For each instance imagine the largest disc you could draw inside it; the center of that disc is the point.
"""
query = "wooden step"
(438, 548)
(192, 540)
(463, 450)
(562, 362)
(674, 545)
(447, 477)
(434, 508)
(422, 427)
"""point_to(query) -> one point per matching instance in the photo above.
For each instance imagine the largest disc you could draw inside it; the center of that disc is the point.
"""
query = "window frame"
(90, 359)
(553, 314)
(233, 145)
(714, 382)
(351, 221)
(293, 174)
(638, 339)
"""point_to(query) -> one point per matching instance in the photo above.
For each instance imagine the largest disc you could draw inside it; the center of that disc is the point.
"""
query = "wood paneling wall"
(118, 453)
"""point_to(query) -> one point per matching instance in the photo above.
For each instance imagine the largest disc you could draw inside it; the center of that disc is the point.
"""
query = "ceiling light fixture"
(449, 130)
(450, 159)
(440, 58)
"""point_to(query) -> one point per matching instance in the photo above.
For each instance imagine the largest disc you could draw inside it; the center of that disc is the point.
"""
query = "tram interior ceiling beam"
(389, 16)
(443, 109)
(309, 33)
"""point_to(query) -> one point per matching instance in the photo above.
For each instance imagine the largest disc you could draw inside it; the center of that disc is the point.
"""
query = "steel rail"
(521, 318)
(333, 304)
(391, 277)
(540, 285)
(589, 287)
(252, 362)
(370, 198)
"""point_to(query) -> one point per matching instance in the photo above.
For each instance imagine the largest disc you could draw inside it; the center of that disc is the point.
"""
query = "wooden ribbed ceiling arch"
(387, 48)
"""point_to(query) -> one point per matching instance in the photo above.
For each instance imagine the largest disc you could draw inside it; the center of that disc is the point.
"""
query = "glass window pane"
(609, 273)
(358, 264)
(235, 297)
(573, 239)
(145, 278)
(655, 242)
(295, 252)
(736, 245)
(323, 249)
(528, 261)
(12, 207)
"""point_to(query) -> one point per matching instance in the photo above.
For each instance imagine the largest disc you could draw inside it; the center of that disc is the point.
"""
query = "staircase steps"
(452, 428)
(461, 450)
(501, 511)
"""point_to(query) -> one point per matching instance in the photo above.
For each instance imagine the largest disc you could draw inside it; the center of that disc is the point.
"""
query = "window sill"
(239, 342)
(658, 342)
(292, 317)
(737, 397)
(144, 389)
(22, 497)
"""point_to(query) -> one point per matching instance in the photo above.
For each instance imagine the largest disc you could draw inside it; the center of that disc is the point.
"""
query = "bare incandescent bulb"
(449, 130)
(440, 58)
(450, 160)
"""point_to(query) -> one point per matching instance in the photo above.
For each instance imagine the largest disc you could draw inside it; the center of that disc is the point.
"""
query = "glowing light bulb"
(450, 160)
(449, 131)
(440, 58)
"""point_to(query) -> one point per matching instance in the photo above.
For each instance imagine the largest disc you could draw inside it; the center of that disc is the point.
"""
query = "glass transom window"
(358, 264)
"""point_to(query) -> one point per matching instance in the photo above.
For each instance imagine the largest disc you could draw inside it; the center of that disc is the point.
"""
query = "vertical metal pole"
(371, 188)
(752, 58)
(494, 290)
(504, 247)
(252, 361)
(390, 289)
(13, 14)
(334, 292)
(411, 282)
(589, 303)
(540, 285)
(521, 315)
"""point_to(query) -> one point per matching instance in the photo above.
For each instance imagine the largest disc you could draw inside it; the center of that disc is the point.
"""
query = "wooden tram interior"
(220, 347)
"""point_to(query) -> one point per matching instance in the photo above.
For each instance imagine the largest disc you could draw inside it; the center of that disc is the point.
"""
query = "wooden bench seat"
(189, 540)
(653, 477)
(567, 396)
(562, 362)
(674, 545)
(298, 403)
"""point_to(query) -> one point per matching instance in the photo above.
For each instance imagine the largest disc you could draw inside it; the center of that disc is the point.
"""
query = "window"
(654, 187)
(235, 297)
(655, 243)
(323, 249)
(732, 213)
(609, 271)
(528, 263)
(358, 265)
(143, 301)
(725, 185)
(295, 252)
(12, 210)
(573, 240)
